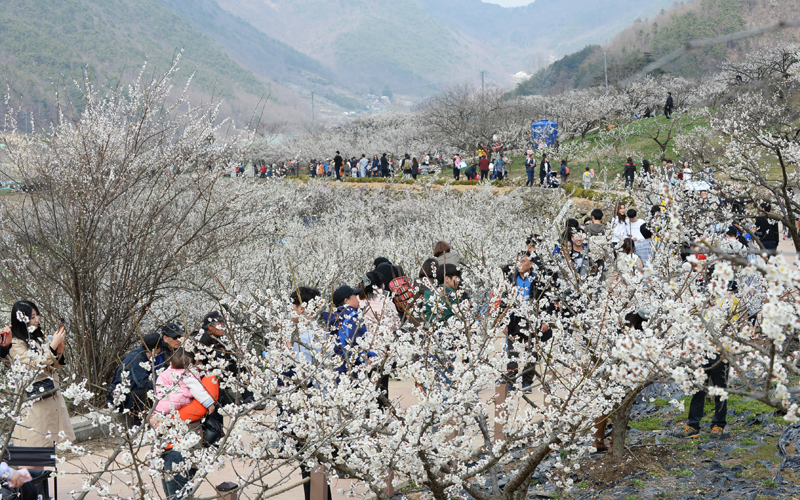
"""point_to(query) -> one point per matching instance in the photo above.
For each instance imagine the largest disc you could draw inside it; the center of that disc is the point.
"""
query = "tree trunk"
(619, 419)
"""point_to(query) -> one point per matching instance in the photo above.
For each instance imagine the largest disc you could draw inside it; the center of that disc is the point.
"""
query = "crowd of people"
(612, 247)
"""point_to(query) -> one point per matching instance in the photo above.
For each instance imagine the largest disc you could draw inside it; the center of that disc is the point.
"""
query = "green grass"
(741, 404)
(638, 483)
(683, 473)
(748, 442)
(647, 424)
(633, 497)
(661, 403)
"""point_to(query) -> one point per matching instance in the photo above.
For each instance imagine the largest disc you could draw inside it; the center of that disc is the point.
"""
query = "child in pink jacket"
(176, 387)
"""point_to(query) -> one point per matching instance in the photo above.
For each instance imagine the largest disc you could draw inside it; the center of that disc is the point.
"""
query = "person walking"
(48, 420)
(668, 106)
(363, 163)
(717, 372)
(563, 172)
(414, 168)
(588, 175)
(629, 173)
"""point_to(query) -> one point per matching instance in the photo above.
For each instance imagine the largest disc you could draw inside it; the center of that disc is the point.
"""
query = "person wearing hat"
(140, 379)
(211, 334)
(347, 327)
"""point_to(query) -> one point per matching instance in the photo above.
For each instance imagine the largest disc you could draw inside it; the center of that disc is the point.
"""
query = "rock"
(708, 445)
(729, 448)
(84, 430)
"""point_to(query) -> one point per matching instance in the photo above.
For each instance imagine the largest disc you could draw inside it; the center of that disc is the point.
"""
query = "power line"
(699, 44)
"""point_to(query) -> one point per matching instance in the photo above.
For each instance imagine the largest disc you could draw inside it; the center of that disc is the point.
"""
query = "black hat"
(343, 293)
(152, 340)
(170, 330)
(380, 260)
(211, 318)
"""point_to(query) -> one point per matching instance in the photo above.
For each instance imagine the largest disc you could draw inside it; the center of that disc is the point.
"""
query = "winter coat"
(348, 329)
(450, 257)
(47, 415)
(630, 169)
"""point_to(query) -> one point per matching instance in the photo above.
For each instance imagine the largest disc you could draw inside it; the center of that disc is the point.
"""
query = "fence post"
(319, 486)
(226, 487)
(389, 486)
(499, 406)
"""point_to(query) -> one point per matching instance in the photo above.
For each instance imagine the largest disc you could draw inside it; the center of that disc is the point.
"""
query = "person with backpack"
(405, 165)
(564, 171)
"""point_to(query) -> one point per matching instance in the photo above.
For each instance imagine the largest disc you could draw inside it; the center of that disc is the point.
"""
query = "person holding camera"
(48, 420)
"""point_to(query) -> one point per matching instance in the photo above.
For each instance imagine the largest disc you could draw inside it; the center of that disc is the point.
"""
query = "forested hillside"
(408, 43)
(648, 39)
(45, 43)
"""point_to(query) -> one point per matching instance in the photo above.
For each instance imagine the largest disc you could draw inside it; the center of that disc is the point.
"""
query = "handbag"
(212, 431)
(42, 389)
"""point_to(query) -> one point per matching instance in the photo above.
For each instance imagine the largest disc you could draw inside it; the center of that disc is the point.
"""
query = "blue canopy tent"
(544, 131)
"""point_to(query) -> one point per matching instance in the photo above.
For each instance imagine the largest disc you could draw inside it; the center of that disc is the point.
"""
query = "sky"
(509, 3)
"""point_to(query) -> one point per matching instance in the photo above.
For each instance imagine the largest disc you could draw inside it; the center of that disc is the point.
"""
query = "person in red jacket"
(483, 165)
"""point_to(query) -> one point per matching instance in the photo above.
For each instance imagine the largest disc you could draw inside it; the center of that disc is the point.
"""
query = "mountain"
(559, 26)
(250, 47)
(424, 44)
(368, 43)
(644, 41)
(44, 42)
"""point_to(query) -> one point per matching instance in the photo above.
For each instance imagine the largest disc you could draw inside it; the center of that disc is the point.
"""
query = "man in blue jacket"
(140, 379)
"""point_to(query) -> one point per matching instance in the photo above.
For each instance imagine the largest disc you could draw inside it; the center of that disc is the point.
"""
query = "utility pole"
(312, 113)
(605, 63)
